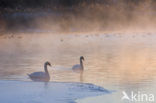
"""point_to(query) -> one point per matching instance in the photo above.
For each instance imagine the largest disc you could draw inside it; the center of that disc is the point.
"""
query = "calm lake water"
(120, 62)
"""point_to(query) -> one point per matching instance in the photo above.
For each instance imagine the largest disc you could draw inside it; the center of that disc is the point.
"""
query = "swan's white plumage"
(79, 67)
(41, 76)
(38, 74)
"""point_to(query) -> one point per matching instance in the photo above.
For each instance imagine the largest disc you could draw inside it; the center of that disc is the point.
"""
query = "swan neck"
(45, 68)
(81, 63)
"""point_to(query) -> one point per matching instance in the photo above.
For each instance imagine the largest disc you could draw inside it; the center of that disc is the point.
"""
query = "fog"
(92, 17)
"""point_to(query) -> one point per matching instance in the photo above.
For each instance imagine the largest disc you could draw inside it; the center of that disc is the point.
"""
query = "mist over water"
(113, 16)
(117, 40)
(110, 60)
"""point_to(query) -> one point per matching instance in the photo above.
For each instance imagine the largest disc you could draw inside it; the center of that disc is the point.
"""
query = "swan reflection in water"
(41, 76)
(79, 68)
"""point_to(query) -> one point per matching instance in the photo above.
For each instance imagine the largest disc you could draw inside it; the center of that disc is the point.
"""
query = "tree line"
(60, 3)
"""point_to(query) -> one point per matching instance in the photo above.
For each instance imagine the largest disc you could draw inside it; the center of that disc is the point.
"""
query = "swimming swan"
(79, 67)
(41, 76)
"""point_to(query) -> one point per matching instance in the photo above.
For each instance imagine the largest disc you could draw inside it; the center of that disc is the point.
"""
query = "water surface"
(114, 61)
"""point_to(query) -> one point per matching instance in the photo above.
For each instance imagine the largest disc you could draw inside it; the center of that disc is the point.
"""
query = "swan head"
(48, 63)
(82, 58)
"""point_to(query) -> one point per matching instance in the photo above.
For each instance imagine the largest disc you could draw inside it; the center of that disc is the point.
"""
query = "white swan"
(41, 76)
(79, 67)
